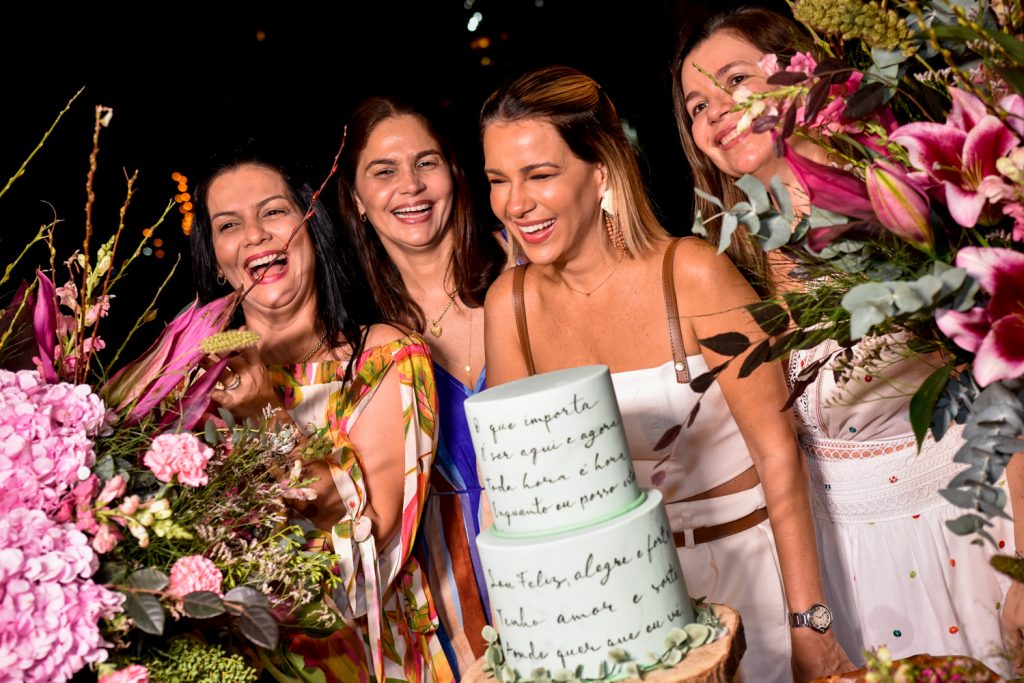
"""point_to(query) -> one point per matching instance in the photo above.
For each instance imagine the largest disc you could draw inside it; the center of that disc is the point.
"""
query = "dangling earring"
(221, 280)
(611, 222)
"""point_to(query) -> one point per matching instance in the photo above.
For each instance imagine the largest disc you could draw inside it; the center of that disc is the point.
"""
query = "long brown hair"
(585, 118)
(477, 258)
(771, 33)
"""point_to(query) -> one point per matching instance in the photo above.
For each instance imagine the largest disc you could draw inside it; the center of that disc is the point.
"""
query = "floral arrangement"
(914, 238)
(882, 668)
(132, 546)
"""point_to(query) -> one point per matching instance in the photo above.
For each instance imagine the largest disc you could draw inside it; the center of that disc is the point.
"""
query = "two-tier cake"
(580, 564)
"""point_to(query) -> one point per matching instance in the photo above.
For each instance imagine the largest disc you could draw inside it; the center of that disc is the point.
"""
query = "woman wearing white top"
(607, 285)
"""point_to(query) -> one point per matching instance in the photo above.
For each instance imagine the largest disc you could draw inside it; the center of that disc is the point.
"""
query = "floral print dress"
(391, 624)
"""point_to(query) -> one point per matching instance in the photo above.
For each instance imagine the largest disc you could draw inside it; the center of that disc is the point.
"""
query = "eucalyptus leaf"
(966, 524)
(698, 227)
(146, 611)
(489, 634)
(755, 191)
(259, 627)
(782, 198)
(779, 232)
(149, 579)
(210, 433)
(709, 197)
(886, 59)
(228, 418)
(906, 298)
(729, 225)
(922, 403)
(698, 634)
(203, 604)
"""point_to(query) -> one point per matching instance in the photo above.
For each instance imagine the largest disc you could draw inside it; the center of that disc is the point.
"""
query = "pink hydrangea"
(178, 454)
(46, 435)
(50, 608)
(136, 673)
(194, 573)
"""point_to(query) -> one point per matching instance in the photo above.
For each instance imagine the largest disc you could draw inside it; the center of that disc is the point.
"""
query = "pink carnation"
(136, 673)
(194, 573)
(178, 454)
(50, 608)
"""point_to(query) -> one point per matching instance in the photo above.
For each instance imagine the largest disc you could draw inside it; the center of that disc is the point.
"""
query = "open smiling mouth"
(417, 211)
(266, 265)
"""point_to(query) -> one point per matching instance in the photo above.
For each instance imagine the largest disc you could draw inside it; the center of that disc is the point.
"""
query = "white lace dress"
(894, 573)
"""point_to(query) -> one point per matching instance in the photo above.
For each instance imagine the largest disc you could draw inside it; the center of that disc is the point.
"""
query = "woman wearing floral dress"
(321, 368)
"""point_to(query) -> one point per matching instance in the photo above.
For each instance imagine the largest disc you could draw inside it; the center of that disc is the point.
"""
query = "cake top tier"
(552, 451)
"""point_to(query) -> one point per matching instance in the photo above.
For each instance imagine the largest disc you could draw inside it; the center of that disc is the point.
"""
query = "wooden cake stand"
(712, 663)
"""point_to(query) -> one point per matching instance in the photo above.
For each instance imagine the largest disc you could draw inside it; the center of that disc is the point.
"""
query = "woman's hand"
(246, 386)
(817, 654)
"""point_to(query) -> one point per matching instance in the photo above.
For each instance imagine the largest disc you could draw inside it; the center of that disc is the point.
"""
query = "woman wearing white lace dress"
(894, 574)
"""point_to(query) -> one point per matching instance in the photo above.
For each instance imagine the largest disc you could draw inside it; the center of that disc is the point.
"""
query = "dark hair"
(771, 33)
(342, 313)
(477, 258)
(586, 119)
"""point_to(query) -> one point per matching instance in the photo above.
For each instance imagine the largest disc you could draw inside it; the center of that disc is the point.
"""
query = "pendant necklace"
(435, 326)
(599, 284)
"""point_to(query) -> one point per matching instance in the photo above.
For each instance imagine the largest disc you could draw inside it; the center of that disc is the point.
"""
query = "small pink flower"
(179, 454)
(129, 505)
(769, 64)
(194, 573)
(136, 673)
(114, 488)
(106, 539)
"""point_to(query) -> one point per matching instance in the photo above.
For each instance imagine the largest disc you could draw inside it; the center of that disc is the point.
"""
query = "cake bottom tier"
(563, 601)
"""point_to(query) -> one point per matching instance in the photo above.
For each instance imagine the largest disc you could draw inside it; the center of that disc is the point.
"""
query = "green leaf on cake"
(617, 655)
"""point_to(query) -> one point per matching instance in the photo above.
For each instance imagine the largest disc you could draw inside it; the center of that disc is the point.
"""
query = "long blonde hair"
(585, 117)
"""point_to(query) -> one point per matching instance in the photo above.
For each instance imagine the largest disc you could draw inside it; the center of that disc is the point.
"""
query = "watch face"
(819, 618)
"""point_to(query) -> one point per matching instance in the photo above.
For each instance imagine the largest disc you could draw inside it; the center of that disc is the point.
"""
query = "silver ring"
(235, 383)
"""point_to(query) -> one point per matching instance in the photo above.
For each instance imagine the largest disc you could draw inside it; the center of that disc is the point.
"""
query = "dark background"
(186, 81)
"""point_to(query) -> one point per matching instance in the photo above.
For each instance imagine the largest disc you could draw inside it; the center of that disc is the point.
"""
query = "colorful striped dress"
(393, 627)
(454, 516)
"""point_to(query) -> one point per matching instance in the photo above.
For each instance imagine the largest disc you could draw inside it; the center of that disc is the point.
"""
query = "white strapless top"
(655, 409)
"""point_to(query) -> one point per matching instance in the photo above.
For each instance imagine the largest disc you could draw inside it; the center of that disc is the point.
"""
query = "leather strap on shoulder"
(675, 332)
(519, 303)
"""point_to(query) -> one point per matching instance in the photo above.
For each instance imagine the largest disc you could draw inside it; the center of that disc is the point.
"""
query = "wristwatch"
(817, 617)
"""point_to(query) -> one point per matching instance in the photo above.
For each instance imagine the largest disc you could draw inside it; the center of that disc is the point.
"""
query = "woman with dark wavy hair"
(323, 366)
(406, 208)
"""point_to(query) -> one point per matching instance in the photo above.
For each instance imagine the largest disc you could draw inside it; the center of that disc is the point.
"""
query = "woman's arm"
(712, 294)
(1012, 615)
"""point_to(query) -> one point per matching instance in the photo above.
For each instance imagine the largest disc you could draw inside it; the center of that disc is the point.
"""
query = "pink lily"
(957, 156)
(899, 204)
(44, 323)
(995, 332)
(830, 188)
(143, 384)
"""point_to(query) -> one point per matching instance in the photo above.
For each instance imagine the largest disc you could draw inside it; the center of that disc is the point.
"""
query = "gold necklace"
(435, 327)
(316, 348)
(599, 284)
